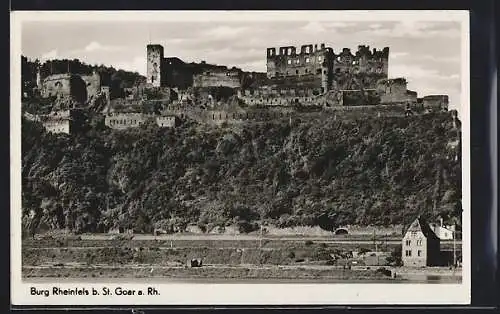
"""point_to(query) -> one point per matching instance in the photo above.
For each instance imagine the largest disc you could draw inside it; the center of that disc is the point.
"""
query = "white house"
(442, 231)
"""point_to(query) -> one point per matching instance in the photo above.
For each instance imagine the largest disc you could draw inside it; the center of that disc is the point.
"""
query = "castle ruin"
(311, 77)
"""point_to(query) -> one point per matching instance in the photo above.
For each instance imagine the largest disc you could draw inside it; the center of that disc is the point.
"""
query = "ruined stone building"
(61, 121)
(321, 69)
(316, 75)
(79, 88)
(173, 72)
(309, 69)
(312, 76)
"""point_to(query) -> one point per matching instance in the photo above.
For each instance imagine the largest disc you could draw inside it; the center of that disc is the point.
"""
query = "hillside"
(325, 172)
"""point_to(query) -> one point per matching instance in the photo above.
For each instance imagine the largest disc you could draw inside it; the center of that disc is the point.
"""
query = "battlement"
(364, 51)
(292, 50)
(155, 47)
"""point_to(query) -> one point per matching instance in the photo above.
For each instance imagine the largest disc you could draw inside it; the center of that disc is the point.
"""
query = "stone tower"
(325, 68)
(154, 60)
(38, 79)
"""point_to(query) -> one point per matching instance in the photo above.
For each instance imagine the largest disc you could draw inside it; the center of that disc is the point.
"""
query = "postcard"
(240, 158)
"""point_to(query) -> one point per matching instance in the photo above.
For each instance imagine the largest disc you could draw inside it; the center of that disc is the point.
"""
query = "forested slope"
(325, 172)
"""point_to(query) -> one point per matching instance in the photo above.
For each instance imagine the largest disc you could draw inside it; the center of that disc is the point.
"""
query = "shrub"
(395, 258)
(247, 227)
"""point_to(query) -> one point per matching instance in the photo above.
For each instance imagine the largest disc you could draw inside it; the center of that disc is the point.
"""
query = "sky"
(426, 53)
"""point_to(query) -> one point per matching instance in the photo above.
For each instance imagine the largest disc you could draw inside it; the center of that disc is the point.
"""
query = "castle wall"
(360, 97)
(79, 88)
(229, 79)
(435, 102)
(272, 96)
(220, 116)
(57, 85)
(411, 97)
(394, 91)
(56, 121)
(166, 121)
(120, 121)
(154, 65)
(283, 100)
(57, 126)
(125, 120)
(93, 84)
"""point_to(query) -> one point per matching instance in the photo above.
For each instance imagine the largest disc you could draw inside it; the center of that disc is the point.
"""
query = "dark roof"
(173, 60)
(421, 224)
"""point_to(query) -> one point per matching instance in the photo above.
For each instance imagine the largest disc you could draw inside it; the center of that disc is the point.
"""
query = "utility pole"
(454, 246)
(260, 236)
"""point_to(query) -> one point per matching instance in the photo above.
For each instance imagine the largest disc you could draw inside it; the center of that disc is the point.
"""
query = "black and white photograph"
(318, 157)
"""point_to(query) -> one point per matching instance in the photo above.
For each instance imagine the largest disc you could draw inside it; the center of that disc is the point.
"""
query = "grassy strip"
(214, 273)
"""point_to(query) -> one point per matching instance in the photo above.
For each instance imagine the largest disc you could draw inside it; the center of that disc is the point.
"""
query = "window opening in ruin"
(297, 61)
(289, 61)
(318, 71)
(338, 58)
(296, 71)
(320, 59)
(308, 60)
